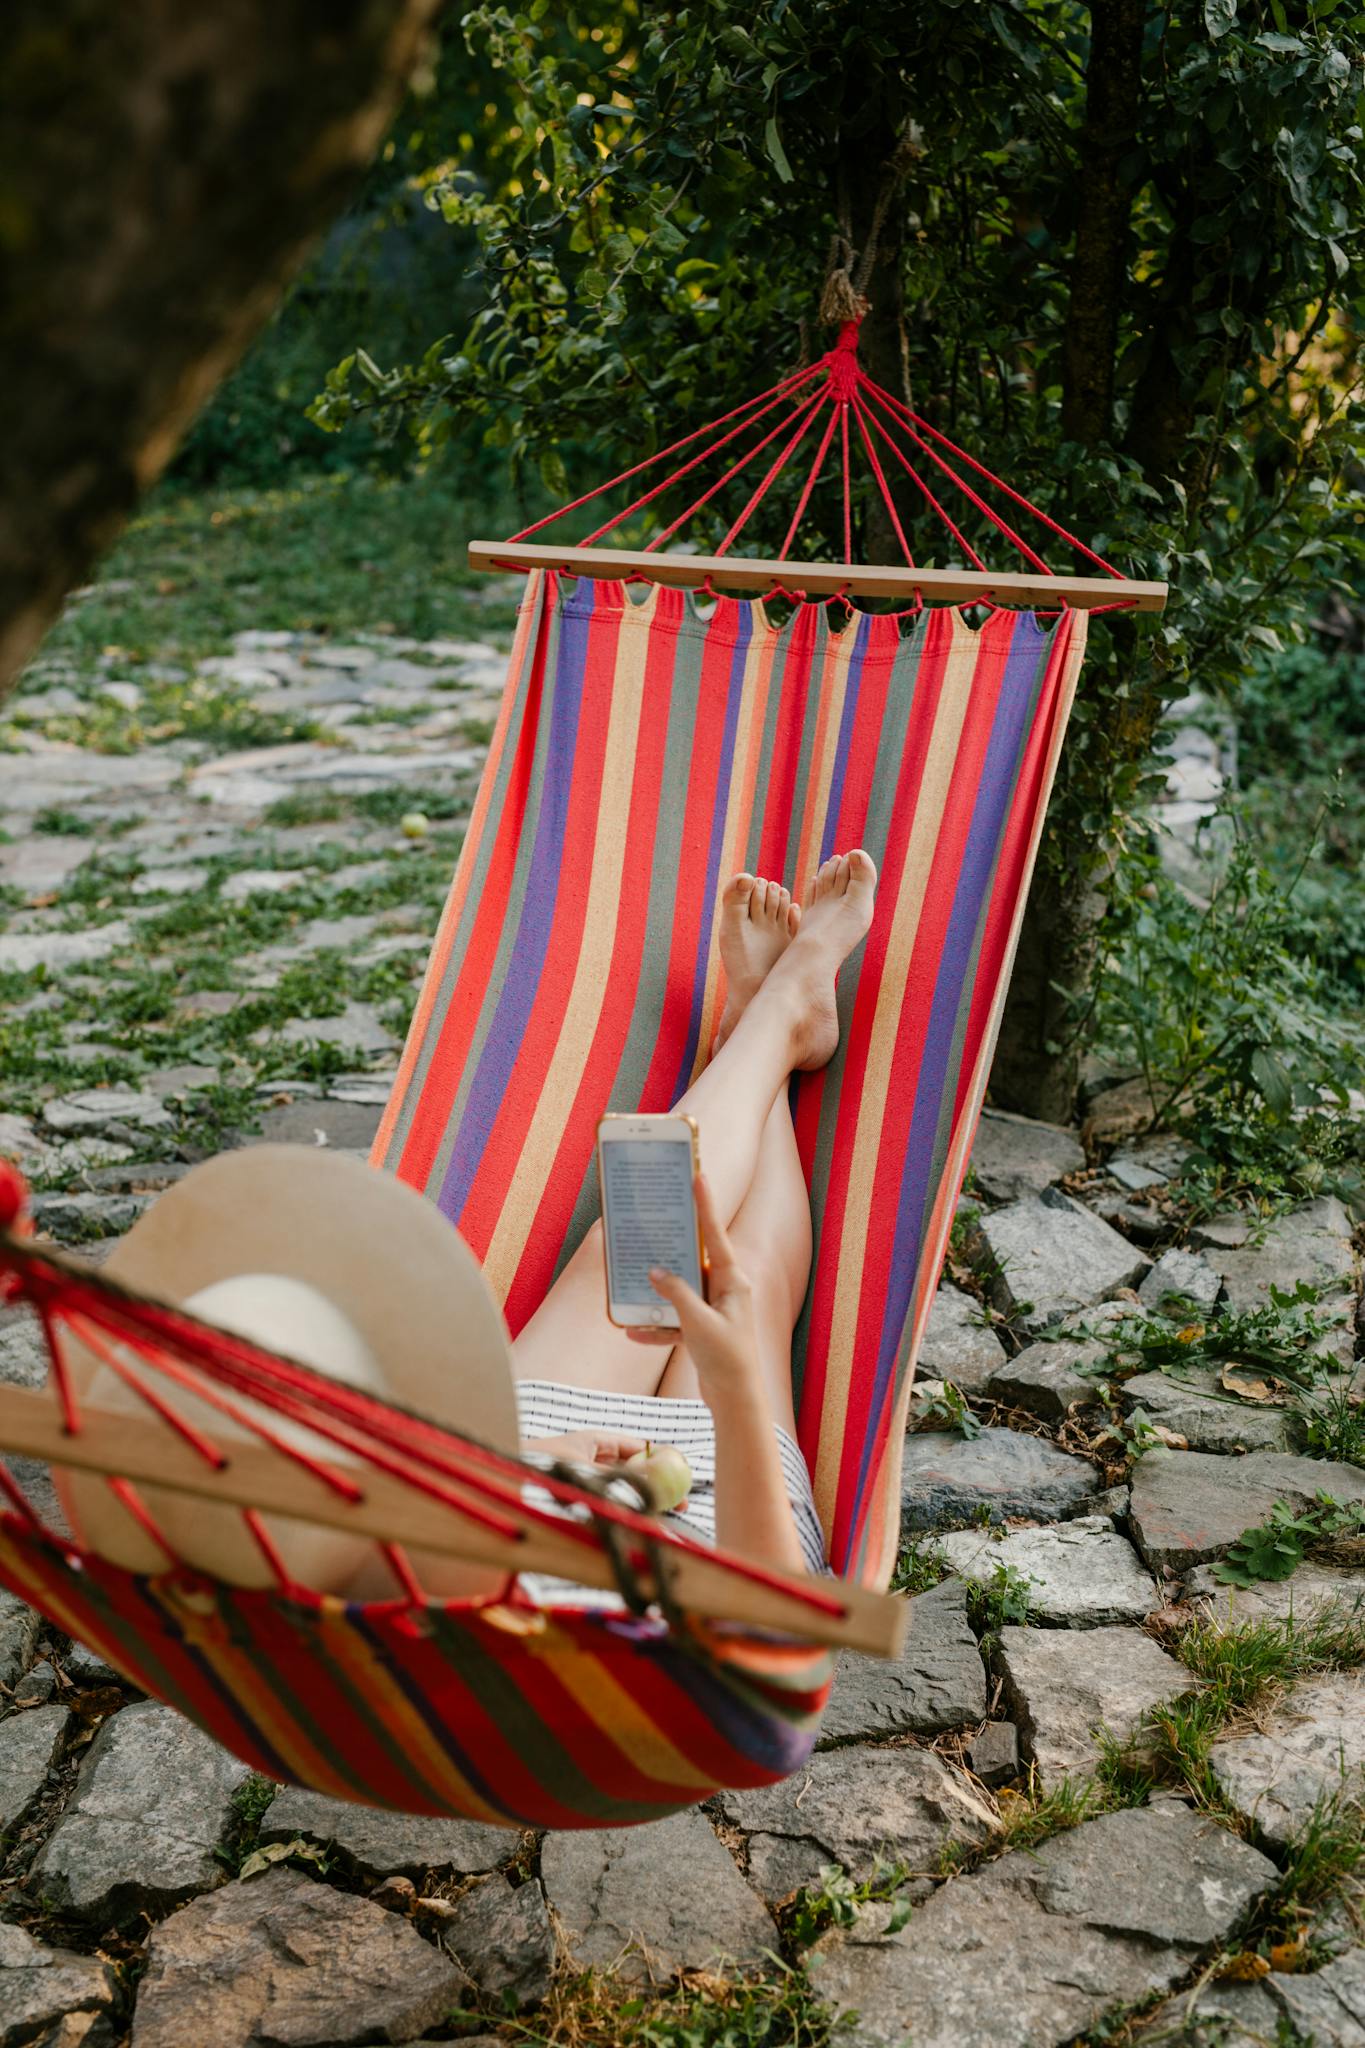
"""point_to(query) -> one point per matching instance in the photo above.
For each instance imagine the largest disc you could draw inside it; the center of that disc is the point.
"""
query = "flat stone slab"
(502, 1942)
(379, 1844)
(283, 1960)
(1188, 1506)
(1312, 1243)
(1050, 1256)
(647, 1902)
(1306, 1592)
(1062, 1686)
(1033, 1950)
(94, 1109)
(1312, 1748)
(30, 1744)
(39, 1985)
(1013, 1155)
(1207, 1418)
(1082, 1574)
(1184, 1273)
(938, 1682)
(1325, 2007)
(1049, 1378)
(862, 1808)
(150, 1806)
(957, 1345)
(25, 952)
(947, 1480)
(348, 1126)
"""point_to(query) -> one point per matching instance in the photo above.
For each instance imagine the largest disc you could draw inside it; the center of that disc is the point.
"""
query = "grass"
(920, 1564)
(246, 1810)
(704, 2011)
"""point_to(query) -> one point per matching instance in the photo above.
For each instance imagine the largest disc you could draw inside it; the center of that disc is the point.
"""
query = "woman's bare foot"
(834, 919)
(758, 921)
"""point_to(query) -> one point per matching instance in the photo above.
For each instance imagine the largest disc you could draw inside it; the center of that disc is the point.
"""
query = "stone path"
(206, 942)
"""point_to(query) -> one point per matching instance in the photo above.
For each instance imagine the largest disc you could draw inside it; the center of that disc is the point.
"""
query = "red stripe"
(506, 1139)
(536, 1268)
(796, 652)
(440, 1086)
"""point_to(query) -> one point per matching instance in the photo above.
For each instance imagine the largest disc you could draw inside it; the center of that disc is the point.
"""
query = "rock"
(249, 882)
(379, 1844)
(957, 1345)
(1082, 1574)
(1048, 1379)
(38, 1685)
(357, 1030)
(79, 2030)
(38, 1985)
(94, 1109)
(1184, 1273)
(73, 1219)
(1306, 1592)
(994, 1755)
(1033, 1950)
(284, 1960)
(938, 1681)
(348, 1126)
(19, 1625)
(1134, 1174)
(18, 1137)
(84, 1668)
(946, 1480)
(25, 952)
(1188, 1506)
(502, 1942)
(1221, 1233)
(38, 865)
(1050, 1256)
(1063, 1685)
(209, 1002)
(30, 1743)
(1013, 1155)
(150, 1806)
(1323, 2007)
(186, 1078)
(340, 934)
(1119, 1112)
(652, 1900)
(1113, 1502)
(169, 881)
(23, 1363)
(1197, 1408)
(862, 1808)
(1312, 1243)
(1312, 1748)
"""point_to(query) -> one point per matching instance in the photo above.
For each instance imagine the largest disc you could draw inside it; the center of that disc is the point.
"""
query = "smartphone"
(646, 1166)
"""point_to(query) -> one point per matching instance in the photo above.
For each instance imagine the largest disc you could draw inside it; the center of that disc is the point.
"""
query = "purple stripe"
(1014, 704)
(502, 1047)
(834, 804)
(720, 802)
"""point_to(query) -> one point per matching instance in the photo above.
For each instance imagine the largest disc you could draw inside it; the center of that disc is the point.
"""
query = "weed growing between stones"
(835, 1899)
(920, 1564)
(249, 1806)
(1324, 1864)
(1275, 1548)
(701, 2011)
(1003, 1602)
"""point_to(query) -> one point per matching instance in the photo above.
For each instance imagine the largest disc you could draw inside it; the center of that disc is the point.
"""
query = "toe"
(793, 919)
(761, 908)
(738, 891)
(841, 874)
(861, 866)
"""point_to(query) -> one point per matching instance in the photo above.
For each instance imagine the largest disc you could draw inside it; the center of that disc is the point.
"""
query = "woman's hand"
(586, 1447)
(719, 1333)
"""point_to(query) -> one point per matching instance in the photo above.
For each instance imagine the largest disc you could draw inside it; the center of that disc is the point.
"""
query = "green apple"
(414, 825)
(665, 1473)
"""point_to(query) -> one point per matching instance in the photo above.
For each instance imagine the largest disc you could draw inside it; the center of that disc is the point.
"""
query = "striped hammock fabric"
(642, 756)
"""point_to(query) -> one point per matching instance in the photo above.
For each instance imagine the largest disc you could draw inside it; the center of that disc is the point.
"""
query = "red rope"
(848, 484)
(1008, 489)
(774, 392)
(209, 1452)
(1002, 525)
(915, 477)
(128, 1496)
(883, 487)
(268, 1548)
(805, 409)
(815, 470)
(784, 457)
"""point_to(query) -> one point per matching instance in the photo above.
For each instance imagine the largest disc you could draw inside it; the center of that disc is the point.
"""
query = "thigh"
(571, 1340)
(773, 1325)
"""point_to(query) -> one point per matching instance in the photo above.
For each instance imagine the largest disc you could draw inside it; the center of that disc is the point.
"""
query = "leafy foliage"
(1275, 1548)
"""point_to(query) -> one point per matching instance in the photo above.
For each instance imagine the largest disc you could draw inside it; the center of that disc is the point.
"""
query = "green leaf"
(772, 142)
(1220, 17)
(1273, 1080)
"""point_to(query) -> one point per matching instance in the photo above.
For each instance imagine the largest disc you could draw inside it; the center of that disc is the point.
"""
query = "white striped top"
(547, 1408)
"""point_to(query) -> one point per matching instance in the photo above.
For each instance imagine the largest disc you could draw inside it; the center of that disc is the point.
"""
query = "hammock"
(643, 753)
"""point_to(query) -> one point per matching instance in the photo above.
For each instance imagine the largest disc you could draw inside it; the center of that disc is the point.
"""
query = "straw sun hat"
(339, 1267)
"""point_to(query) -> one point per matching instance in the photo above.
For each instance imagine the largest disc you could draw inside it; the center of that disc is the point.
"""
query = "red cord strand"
(883, 487)
(915, 477)
(817, 465)
(784, 457)
(1002, 525)
(804, 409)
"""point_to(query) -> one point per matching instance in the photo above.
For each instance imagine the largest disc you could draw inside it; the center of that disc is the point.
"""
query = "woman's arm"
(753, 1509)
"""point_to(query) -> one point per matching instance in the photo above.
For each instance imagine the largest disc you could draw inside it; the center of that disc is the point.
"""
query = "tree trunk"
(163, 169)
(867, 143)
(1037, 1065)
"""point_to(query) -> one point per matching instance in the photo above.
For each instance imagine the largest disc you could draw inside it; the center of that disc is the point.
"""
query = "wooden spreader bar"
(826, 579)
(255, 1476)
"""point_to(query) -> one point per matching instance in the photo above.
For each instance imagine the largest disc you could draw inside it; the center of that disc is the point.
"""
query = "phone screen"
(649, 1216)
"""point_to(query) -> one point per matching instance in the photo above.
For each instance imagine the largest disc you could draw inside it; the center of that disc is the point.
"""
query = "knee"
(770, 1278)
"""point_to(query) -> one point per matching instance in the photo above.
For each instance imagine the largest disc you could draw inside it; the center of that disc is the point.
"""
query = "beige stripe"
(939, 769)
(753, 704)
(578, 1028)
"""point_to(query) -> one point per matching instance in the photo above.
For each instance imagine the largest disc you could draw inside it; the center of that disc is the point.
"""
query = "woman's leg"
(789, 1022)
(771, 1235)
